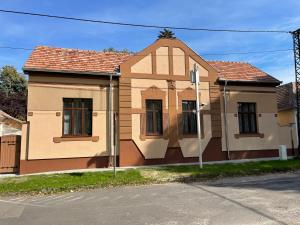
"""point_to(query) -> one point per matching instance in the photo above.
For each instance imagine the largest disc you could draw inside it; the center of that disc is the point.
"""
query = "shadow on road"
(274, 183)
(256, 211)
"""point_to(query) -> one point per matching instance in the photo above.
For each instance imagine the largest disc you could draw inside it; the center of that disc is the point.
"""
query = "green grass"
(193, 173)
(66, 182)
(46, 184)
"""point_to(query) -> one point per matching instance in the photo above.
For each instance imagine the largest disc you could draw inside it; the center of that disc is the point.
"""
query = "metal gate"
(10, 154)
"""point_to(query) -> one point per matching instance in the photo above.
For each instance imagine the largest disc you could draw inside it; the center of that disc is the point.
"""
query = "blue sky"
(28, 32)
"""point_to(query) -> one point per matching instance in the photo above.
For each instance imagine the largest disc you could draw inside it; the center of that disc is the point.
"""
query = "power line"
(246, 53)
(141, 25)
(204, 54)
(16, 48)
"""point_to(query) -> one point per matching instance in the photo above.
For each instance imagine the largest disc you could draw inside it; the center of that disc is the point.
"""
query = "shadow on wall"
(131, 155)
(99, 161)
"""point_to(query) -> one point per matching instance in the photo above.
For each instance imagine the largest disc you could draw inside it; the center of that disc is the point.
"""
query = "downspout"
(225, 121)
(112, 125)
(116, 140)
(110, 118)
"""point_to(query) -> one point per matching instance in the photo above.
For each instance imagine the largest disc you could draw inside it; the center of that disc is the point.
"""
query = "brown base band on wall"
(130, 155)
(46, 165)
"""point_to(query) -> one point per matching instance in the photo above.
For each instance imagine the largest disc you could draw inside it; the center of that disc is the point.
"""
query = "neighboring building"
(9, 125)
(153, 109)
(287, 115)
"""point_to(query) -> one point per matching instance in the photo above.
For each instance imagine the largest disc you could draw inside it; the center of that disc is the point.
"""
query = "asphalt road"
(271, 199)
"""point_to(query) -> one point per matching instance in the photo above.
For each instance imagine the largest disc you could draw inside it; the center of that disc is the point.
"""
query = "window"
(154, 117)
(189, 117)
(247, 117)
(77, 117)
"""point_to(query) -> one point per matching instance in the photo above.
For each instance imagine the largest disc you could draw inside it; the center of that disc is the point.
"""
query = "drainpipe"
(110, 110)
(116, 140)
(1, 129)
(225, 121)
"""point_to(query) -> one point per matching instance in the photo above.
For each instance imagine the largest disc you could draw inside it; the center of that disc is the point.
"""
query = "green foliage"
(13, 92)
(166, 34)
(111, 49)
(11, 82)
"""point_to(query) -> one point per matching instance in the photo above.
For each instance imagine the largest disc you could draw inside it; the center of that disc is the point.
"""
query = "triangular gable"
(166, 59)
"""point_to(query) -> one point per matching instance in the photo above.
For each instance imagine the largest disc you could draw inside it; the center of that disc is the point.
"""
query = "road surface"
(269, 199)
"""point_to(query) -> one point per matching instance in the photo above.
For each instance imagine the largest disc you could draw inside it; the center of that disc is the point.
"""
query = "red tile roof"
(286, 96)
(72, 60)
(238, 71)
(83, 61)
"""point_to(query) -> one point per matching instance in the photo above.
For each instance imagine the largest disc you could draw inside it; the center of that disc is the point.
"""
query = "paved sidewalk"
(269, 199)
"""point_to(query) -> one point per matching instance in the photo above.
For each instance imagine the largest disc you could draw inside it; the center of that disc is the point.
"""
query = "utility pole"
(296, 41)
(196, 79)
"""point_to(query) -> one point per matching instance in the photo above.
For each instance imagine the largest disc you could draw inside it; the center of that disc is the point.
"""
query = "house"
(85, 107)
(287, 115)
(9, 125)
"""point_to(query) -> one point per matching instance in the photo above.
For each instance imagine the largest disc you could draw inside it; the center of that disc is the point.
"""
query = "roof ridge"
(81, 50)
(222, 61)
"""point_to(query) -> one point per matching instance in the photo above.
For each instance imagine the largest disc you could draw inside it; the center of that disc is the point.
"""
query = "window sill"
(144, 137)
(153, 136)
(62, 139)
(237, 136)
(190, 136)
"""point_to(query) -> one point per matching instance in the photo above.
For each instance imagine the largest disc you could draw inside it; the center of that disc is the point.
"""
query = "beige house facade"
(85, 107)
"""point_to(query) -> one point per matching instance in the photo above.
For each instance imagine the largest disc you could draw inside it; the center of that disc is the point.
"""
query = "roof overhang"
(249, 82)
(286, 109)
(27, 70)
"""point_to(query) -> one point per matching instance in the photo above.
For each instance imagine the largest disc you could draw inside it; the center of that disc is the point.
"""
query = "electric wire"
(140, 25)
(204, 54)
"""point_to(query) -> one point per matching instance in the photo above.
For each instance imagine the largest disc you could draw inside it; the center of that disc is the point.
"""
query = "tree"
(15, 105)
(13, 92)
(11, 81)
(166, 34)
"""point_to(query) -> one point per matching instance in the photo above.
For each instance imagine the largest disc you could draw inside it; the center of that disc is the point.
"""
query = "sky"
(28, 32)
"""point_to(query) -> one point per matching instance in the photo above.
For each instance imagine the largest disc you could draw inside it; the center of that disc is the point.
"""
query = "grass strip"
(47, 184)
